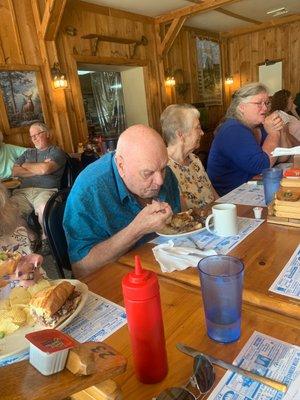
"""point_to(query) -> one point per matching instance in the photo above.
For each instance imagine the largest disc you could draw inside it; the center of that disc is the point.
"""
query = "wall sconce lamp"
(172, 81)
(58, 77)
(229, 80)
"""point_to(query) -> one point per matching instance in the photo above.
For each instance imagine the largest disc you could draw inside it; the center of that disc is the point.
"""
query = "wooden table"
(184, 322)
(264, 252)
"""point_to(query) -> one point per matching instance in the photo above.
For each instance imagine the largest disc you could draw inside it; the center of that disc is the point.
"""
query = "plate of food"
(47, 304)
(182, 224)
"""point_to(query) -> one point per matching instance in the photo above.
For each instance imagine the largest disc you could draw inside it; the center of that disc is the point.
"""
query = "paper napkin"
(175, 258)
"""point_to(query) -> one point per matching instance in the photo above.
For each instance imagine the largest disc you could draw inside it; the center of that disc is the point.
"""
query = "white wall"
(271, 76)
(134, 96)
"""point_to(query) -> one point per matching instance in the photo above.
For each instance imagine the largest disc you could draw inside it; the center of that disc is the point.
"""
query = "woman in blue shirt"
(244, 141)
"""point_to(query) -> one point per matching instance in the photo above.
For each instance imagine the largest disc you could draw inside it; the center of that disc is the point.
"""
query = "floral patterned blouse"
(194, 183)
(17, 241)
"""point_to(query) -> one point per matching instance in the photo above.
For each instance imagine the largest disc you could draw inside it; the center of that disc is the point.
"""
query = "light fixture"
(229, 80)
(170, 81)
(278, 11)
(58, 77)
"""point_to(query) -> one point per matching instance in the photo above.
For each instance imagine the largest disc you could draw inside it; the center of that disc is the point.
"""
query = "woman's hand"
(273, 123)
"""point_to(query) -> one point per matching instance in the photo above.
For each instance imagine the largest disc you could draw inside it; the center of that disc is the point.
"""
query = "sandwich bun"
(53, 305)
(8, 262)
(48, 301)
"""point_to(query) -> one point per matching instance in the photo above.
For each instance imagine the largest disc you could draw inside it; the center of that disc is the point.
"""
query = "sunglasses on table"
(201, 381)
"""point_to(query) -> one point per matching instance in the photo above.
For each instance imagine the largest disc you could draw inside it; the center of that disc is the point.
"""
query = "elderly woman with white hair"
(244, 141)
(181, 130)
(8, 155)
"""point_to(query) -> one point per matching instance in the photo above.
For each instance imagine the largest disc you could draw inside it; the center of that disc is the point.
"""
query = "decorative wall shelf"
(96, 39)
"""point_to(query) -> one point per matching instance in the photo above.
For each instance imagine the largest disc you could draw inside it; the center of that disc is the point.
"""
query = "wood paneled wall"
(246, 51)
(21, 45)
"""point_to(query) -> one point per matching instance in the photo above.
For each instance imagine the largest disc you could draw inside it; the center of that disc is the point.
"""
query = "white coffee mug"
(224, 220)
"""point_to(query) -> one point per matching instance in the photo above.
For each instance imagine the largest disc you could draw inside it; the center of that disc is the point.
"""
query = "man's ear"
(120, 164)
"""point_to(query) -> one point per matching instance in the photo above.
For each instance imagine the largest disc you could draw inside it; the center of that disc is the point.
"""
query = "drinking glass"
(221, 286)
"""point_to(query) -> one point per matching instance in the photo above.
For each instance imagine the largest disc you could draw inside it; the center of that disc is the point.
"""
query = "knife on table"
(281, 387)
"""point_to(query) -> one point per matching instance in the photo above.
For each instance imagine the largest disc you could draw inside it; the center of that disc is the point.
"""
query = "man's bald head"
(140, 140)
(141, 158)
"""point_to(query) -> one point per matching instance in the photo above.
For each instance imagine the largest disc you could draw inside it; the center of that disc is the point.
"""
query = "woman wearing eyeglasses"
(245, 139)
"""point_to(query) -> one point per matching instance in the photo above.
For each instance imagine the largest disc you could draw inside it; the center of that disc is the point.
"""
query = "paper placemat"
(248, 194)
(266, 356)
(207, 241)
(288, 281)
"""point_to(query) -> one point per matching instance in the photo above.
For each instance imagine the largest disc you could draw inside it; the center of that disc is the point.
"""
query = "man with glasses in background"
(40, 170)
(245, 139)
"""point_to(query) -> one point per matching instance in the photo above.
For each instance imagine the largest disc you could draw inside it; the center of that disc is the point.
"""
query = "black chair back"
(53, 226)
(72, 169)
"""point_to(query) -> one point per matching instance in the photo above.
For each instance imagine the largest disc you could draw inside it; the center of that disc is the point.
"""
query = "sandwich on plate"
(50, 307)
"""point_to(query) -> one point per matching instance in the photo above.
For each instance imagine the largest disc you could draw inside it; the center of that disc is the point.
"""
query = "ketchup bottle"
(145, 324)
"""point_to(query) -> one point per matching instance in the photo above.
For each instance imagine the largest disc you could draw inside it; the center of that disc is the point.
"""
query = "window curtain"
(209, 71)
(108, 95)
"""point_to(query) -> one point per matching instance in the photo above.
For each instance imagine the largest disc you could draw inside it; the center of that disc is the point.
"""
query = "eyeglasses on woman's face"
(260, 104)
(201, 381)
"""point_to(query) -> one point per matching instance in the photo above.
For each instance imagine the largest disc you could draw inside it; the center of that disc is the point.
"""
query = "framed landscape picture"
(209, 71)
(21, 97)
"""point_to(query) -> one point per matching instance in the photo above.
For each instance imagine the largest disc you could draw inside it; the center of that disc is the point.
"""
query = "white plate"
(181, 234)
(16, 342)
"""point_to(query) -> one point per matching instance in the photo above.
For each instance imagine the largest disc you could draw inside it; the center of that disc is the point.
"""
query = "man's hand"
(153, 217)
(273, 123)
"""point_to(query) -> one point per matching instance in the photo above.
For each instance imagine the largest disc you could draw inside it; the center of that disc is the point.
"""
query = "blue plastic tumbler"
(222, 285)
(271, 181)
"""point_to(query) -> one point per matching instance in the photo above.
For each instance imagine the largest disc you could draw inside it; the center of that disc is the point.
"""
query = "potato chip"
(18, 315)
(30, 320)
(19, 295)
(8, 327)
(5, 315)
(40, 285)
(4, 304)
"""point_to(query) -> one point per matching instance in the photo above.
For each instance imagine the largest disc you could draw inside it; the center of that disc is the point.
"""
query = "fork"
(196, 244)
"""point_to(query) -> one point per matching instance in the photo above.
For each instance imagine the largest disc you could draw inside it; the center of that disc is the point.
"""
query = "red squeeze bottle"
(145, 324)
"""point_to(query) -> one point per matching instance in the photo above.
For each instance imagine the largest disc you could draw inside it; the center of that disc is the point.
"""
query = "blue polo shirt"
(235, 156)
(99, 205)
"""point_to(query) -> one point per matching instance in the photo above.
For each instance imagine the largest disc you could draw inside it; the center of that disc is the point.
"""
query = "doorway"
(114, 98)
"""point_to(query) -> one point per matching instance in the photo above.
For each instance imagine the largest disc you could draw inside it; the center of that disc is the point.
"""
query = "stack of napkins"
(175, 258)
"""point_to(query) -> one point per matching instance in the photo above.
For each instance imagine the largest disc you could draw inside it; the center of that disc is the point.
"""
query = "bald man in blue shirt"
(119, 200)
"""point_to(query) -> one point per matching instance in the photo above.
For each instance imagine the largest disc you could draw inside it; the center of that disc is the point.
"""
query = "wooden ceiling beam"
(263, 25)
(54, 10)
(171, 35)
(206, 5)
(237, 16)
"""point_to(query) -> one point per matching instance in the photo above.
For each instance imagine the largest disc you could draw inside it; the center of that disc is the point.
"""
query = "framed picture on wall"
(22, 99)
(209, 71)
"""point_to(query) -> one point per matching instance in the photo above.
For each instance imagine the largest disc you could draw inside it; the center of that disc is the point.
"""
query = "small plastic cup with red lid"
(49, 350)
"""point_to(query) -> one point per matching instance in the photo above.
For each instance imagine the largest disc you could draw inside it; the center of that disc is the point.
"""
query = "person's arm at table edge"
(107, 251)
(150, 219)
